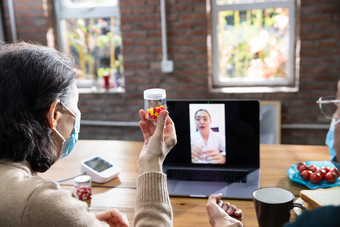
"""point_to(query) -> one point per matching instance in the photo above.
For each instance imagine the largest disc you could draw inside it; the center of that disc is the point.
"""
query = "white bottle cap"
(82, 179)
(154, 94)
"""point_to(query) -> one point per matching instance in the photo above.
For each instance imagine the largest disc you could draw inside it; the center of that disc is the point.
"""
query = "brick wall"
(33, 20)
(187, 29)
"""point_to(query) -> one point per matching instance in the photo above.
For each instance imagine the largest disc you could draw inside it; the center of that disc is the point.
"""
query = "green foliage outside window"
(96, 47)
(253, 44)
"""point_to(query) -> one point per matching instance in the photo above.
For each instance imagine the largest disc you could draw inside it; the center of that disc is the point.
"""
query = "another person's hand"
(113, 217)
(223, 213)
(158, 141)
(214, 156)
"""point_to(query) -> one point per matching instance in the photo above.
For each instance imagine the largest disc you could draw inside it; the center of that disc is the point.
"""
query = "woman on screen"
(207, 146)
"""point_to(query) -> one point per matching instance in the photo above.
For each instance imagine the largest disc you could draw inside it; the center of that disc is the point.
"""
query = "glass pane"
(96, 45)
(253, 44)
(89, 3)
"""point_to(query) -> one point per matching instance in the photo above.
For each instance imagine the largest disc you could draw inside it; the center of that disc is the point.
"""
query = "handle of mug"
(302, 207)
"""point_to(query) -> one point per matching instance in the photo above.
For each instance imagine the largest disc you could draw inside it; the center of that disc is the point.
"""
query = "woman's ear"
(53, 114)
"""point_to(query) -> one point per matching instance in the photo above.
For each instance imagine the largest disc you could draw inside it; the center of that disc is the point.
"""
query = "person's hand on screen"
(214, 156)
(196, 154)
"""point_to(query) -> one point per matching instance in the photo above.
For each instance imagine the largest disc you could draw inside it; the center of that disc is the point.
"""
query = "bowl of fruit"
(315, 174)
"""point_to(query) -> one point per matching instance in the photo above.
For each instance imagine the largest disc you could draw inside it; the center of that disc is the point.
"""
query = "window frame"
(85, 11)
(239, 85)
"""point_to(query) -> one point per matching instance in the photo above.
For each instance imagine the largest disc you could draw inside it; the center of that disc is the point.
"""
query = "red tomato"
(326, 168)
(313, 168)
(299, 165)
(306, 174)
(302, 168)
(336, 171)
(322, 173)
(315, 178)
(331, 177)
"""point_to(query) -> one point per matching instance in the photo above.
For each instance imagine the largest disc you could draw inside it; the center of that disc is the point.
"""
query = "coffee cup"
(273, 206)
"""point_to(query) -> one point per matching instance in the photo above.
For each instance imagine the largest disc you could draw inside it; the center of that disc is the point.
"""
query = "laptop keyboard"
(204, 175)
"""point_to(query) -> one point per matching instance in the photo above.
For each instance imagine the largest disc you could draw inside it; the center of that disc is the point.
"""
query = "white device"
(99, 170)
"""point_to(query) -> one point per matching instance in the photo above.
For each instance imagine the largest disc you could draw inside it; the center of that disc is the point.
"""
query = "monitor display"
(98, 164)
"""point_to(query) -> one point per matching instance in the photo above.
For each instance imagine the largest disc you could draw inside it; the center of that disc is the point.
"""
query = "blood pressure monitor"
(100, 170)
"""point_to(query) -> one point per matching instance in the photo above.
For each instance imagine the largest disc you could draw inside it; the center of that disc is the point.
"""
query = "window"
(254, 45)
(90, 31)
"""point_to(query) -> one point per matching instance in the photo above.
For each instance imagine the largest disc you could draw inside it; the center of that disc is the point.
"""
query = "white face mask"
(68, 144)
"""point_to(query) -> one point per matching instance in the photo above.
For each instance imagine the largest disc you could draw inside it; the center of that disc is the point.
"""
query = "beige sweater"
(28, 200)
(153, 207)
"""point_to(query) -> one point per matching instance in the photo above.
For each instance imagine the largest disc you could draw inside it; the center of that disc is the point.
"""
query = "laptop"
(227, 163)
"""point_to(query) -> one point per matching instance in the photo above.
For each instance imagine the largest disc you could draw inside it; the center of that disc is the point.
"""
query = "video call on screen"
(207, 133)
(237, 121)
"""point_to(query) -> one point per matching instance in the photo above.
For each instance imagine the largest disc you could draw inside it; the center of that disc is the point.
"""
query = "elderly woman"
(39, 124)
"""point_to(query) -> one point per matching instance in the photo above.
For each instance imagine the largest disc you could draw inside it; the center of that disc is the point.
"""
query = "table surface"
(120, 192)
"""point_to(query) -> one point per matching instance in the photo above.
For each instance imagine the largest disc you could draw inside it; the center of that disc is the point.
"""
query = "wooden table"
(120, 192)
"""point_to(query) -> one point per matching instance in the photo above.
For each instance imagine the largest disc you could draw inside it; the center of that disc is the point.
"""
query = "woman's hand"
(158, 141)
(113, 217)
(214, 156)
(223, 213)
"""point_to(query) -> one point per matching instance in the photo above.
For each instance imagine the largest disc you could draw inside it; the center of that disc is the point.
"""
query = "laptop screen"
(218, 133)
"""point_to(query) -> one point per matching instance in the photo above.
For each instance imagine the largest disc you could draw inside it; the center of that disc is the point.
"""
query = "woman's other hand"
(113, 217)
(223, 213)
